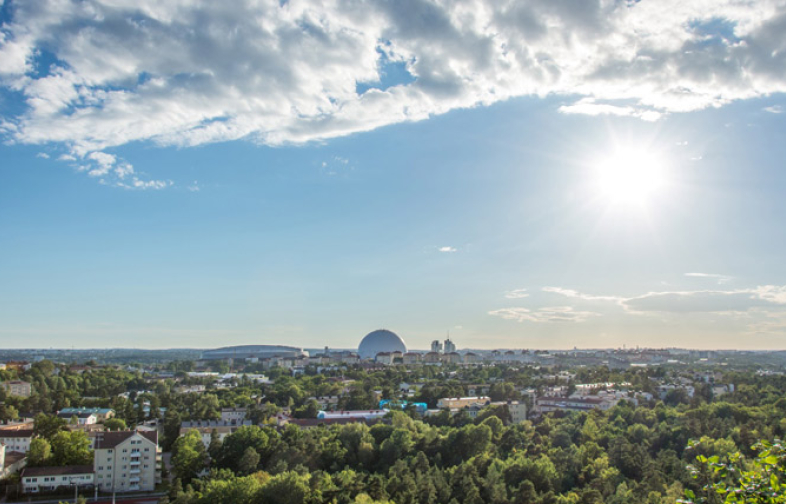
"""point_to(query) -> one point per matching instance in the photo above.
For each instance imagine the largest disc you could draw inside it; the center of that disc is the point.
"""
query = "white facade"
(16, 440)
(126, 461)
(47, 479)
(233, 415)
(17, 388)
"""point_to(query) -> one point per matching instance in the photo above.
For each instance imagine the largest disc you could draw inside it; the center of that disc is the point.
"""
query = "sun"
(630, 176)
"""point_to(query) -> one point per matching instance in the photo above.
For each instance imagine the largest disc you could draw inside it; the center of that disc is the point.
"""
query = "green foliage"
(47, 426)
(731, 479)
(71, 448)
(40, 453)
(188, 455)
(115, 424)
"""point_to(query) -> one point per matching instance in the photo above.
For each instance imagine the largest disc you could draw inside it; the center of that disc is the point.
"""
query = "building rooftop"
(56, 471)
(16, 433)
(106, 440)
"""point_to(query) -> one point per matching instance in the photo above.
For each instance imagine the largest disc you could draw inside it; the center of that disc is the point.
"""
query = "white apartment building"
(82, 418)
(126, 461)
(206, 428)
(48, 479)
(17, 440)
(233, 415)
(17, 388)
(517, 410)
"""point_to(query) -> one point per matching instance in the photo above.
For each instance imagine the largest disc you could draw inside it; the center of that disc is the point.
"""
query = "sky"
(517, 174)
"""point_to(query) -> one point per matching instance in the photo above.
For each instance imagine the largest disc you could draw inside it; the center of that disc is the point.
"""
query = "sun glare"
(630, 176)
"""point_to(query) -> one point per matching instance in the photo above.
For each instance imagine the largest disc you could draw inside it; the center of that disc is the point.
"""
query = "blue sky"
(305, 173)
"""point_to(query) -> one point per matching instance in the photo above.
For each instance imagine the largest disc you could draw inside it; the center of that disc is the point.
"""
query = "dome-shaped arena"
(378, 341)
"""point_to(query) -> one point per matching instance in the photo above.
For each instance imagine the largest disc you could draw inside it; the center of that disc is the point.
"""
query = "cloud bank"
(97, 74)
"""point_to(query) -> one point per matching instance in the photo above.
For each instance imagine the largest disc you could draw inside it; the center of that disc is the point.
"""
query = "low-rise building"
(471, 358)
(233, 415)
(477, 390)
(17, 440)
(411, 358)
(517, 410)
(206, 428)
(433, 358)
(17, 388)
(101, 414)
(549, 404)
(82, 418)
(452, 358)
(326, 403)
(365, 414)
(49, 479)
(462, 402)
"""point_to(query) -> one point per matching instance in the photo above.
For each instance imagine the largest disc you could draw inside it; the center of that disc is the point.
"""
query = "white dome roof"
(378, 341)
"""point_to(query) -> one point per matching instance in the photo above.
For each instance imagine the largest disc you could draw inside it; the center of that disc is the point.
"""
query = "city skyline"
(523, 175)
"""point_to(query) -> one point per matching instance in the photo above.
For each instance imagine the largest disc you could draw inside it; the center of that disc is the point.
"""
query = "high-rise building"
(450, 347)
(436, 346)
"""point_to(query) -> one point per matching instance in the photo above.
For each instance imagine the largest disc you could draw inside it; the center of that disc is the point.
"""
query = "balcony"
(134, 470)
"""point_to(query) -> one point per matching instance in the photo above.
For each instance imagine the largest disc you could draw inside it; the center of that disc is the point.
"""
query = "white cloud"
(187, 73)
(42, 155)
(579, 295)
(588, 106)
(517, 294)
(544, 315)
(775, 109)
(721, 279)
(194, 187)
(137, 183)
(447, 249)
(697, 301)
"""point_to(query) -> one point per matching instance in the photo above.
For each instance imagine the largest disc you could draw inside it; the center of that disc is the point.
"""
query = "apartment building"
(126, 461)
(17, 440)
(101, 414)
(206, 428)
(461, 402)
(48, 479)
(82, 418)
(17, 388)
(233, 415)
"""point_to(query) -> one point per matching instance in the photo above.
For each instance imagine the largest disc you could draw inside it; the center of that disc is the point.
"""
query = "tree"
(235, 445)
(214, 449)
(188, 455)
(40, 453)
(115, 424)
(761, 481)
(46, 426)
(71, 448)
(7, 412)
(287, 488)
(248, 462)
